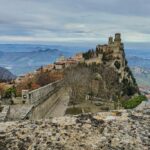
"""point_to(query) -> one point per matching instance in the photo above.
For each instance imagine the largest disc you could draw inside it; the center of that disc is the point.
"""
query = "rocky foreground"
(124, 130)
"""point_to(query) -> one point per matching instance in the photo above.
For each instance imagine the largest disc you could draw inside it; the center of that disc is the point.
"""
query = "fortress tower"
(117, 40)
(110, 41)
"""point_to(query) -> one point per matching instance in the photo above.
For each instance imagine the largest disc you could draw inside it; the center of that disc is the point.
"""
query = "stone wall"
(40, 106)
(96, 60)
(42, 99)
(39, 95)
(40, 111)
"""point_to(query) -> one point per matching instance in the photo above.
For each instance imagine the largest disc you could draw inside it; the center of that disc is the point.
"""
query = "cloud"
(73, 20)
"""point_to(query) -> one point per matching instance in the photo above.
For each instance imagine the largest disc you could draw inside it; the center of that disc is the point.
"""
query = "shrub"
(9, 92)
(133, 102)
(117, 64)
(89, 54)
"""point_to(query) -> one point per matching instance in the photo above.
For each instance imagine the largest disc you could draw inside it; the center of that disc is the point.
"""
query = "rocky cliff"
(113, 69)
(113, 55)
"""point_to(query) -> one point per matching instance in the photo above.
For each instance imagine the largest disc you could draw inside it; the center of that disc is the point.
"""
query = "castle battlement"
(116, 41)
(109, 53)
(117, 37)
(110, 40)
(114, 45)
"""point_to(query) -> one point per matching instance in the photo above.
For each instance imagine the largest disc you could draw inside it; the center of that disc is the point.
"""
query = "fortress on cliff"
(107, 52)
(114, 47)
(112, 55)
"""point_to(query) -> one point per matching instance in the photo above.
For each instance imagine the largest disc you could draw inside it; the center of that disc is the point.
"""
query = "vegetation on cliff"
(133, 102)
(89, 54)
(96, 80)
(77, 79)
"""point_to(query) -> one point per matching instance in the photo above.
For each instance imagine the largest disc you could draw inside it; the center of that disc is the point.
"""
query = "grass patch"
(73, 111)
(134, 102)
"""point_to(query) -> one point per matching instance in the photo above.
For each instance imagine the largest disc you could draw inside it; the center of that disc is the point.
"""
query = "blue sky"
(73, 21)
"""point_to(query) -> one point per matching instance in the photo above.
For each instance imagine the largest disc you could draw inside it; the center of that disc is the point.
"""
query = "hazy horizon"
(132, 46)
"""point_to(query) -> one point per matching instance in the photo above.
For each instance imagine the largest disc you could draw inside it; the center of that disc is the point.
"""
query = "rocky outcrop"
(113, 68)
(128, 130)
(6, 75)
(113, 55)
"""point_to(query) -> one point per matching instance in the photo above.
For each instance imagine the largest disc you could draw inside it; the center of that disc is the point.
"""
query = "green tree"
(10, 91)
(133, 102)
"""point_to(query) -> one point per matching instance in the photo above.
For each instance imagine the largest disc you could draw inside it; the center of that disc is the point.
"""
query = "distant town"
(60, 64)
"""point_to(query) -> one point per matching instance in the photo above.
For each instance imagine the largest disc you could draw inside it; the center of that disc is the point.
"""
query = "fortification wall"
(42, 99)
(39, 95)
(40, 111)
(93, 60)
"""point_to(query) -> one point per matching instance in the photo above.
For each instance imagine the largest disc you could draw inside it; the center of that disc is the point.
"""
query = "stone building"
(113, 55)
(78, 57)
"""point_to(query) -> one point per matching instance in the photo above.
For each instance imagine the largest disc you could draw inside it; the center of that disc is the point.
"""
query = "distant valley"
(142, 76)
(23, 62)
(139, 61)
(20, 59)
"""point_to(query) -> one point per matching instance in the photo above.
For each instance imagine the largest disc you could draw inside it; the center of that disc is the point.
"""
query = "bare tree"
(77, 80)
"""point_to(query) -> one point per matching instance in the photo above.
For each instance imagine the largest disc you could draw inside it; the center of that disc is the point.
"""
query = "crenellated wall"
(40, 111)
(42, 99)
(39, 95)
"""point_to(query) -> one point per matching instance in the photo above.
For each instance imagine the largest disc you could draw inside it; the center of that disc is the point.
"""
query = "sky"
(74, 21)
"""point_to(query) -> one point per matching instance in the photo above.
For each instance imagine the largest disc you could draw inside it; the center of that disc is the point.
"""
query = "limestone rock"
(82, 132)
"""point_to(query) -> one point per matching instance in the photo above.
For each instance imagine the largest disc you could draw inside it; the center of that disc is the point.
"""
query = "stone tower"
(117, 40)
(110, 41)
(112, 56)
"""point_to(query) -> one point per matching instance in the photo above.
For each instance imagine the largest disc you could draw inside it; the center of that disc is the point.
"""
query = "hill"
(23, 58)
(23, 62)
(6, 75)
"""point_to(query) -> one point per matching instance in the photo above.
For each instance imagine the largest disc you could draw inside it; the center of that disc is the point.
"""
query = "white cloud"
(73, 21)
